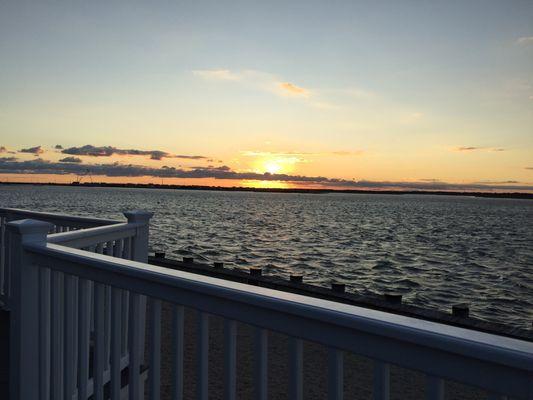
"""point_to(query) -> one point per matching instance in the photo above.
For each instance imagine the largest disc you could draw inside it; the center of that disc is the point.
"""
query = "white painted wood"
(230, 359)
(70, 331)
(381, 381)
(202, 350)
(177, 352)
(434, 388)
(135, 350)
(412, 343)
(154, 372)
(124, 325)
(295, 368)
(57, 345)
(127, 249)
(3, 246)
(99, 248)
(56, 219)
(261, 363)
(107, 326)
(84, 325)
(116, 342)
(99, 333)
(335, 374)
(44, 333)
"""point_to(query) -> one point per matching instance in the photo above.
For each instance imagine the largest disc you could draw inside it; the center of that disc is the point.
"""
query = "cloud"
(32, 150)
(470, 148)
(259, 80)
(476, 148)
(8, 159)
(291, 89)
(525, 40)
(107, 151)
(71, 160)
(529, 168)
(40, 166)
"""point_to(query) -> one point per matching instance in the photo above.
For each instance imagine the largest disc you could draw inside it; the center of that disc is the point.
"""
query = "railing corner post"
(24, 316)
(140, 241)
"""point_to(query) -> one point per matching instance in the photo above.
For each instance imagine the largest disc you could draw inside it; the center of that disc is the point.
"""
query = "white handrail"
(63, 219)
(496, 363)
(87, 237)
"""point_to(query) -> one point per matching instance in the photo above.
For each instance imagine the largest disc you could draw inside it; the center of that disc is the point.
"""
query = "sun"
(272, 167)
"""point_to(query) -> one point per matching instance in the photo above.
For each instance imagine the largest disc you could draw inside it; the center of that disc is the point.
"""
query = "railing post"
(139, 252)
(139, 245)
(24, 316)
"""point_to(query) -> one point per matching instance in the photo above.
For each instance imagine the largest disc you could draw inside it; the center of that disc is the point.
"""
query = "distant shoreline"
(502, 195)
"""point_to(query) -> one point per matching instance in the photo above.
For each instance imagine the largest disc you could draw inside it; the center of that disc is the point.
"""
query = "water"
(436, 250)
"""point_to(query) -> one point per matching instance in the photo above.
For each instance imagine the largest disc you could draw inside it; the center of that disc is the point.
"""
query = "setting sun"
(272, 167)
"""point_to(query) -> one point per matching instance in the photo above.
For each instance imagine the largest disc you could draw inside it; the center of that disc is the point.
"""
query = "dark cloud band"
(107, 151)
(40, 166)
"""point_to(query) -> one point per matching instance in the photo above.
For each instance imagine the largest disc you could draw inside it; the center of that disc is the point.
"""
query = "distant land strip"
(497, 195)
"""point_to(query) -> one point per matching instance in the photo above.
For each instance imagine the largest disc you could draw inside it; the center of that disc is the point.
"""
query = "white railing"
(60, 223)
(113, 238)
(500, 365)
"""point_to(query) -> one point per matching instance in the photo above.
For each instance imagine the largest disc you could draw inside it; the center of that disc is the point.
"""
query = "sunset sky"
(355, 94)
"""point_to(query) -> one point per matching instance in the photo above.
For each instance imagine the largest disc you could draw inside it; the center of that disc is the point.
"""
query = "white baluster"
(155, 349)
(84, 323)
(295, 368)
(135, 347)
(335, 374)
(177, 359)
(116, 336)
(202, 354)
(69, 325)
(381, 381)
(44, 333)
(434, 388)
(99, 361)
(230, 363)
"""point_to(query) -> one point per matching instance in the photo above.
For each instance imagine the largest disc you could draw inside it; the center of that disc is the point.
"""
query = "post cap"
(338, 287)
(393, 297)
(31, 230)
(296, 278)
(138, 215)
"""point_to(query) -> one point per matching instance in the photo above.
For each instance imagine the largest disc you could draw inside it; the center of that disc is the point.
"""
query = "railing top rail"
(102, 233)
(39, 215)
(219, 296)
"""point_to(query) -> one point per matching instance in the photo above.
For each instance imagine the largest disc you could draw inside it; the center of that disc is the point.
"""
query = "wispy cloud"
(40, 166)
(217, 74)
(478, 148)
(525, 40)
(258, 80)
(343, 153)
(468, 148)
(290, 89)
(107, 151)
(32, 150)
